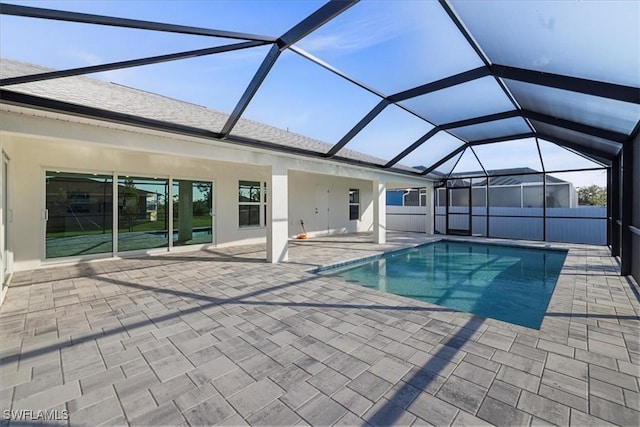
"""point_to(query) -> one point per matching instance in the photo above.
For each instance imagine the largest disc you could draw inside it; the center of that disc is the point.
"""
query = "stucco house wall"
(37, 142)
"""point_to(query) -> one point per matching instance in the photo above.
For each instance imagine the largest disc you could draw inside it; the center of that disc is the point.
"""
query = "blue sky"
(297, 95)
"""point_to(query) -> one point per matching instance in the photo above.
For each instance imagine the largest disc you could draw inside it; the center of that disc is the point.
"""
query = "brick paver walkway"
(220, 337)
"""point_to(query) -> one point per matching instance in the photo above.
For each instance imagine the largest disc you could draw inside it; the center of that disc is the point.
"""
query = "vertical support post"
(379, 212)
(615, 206)
(278, 215)
(627, 209)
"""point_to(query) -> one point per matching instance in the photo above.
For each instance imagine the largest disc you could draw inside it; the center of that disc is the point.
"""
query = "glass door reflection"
(79, 214)
(142, 213)
(192, 212)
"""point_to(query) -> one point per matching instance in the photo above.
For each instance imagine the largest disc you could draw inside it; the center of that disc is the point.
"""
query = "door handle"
(316, 210)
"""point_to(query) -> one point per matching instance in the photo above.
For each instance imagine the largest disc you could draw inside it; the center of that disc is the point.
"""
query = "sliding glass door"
(192, 212)
(142, 213)
(79, 214)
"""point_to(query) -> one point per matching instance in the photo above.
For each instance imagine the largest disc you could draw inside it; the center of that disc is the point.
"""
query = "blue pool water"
(507, 283)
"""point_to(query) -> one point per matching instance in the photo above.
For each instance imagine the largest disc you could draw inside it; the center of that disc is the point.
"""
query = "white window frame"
(262, 203)
(356, 190)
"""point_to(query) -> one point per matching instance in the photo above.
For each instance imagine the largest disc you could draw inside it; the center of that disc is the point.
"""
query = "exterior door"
(322, 209)
(459, 211)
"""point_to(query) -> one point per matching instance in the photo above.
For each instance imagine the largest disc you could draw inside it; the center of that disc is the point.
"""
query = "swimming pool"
(508, 283)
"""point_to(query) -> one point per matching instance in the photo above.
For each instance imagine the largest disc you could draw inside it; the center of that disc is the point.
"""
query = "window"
(354, 204)
(252, 195)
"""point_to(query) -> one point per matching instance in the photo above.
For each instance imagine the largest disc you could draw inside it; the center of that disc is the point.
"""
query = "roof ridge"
(158, 94)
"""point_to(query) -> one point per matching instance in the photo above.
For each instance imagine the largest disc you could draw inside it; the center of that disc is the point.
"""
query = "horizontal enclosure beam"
(412, 147)
(444, 83)
(505, 138)
(573, 84)
(532, 115)
(445, 159)
(44, 104)
(127, 64)
(481, 119)
(593, 154)
(251, 89)
(579, 147)
(86, 18)
(306, 55)
(577, 127)
(324, 14)
(358, 127)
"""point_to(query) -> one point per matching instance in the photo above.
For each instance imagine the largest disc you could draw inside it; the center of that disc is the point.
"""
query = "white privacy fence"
(407, 218)
(585, 224)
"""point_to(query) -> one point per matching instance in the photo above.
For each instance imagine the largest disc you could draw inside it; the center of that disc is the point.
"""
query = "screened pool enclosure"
(500, 103)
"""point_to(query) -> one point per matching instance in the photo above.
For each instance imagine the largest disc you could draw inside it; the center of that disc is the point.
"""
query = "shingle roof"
(116, 98)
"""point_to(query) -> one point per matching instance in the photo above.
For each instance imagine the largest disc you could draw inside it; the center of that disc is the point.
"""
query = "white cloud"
(84, 58)
(542, 61)
(355, 34)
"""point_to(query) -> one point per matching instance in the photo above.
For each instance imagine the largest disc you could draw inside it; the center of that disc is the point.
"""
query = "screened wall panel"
(584, 189)
(559, 206)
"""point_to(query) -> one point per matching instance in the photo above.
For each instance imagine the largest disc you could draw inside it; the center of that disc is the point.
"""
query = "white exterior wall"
(302, 203)
(36, 144)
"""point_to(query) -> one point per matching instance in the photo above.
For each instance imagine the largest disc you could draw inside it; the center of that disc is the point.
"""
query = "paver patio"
(220, 337)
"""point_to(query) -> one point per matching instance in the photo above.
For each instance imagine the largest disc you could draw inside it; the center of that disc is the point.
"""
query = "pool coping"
(375, 257)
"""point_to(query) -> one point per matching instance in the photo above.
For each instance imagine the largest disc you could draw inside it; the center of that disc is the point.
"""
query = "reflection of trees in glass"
(249, 191)
(593, 195)
(130, 206)
(202, 207)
